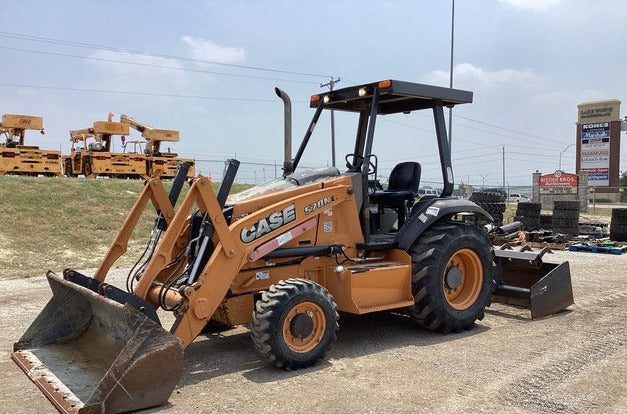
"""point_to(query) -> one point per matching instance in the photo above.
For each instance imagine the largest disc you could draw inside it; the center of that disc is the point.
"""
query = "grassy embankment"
(52, 223)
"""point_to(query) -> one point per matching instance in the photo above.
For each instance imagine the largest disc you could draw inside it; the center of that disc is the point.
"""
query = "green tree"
(623, 186)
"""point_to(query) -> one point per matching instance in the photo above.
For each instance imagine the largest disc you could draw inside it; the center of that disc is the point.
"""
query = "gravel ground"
(573, 362)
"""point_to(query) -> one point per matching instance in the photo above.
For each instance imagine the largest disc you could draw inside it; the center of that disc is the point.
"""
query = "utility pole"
(330, 85)
(503, 168)
(483, 176)
(450, 110)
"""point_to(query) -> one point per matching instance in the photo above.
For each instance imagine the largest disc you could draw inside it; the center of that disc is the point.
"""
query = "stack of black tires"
(528, 214)
(546, 221)
(492, 202)
(565, 217)
(618, 225)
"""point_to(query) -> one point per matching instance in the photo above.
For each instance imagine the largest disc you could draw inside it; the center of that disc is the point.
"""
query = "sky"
(209, 68)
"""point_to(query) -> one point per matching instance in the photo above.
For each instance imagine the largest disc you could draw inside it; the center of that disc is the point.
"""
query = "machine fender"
(429, 211)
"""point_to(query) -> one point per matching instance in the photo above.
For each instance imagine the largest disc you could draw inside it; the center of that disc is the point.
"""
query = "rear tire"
(566, 214)
(453, 274)
(566, 205)
(68, 168)
(615, 236)
(294, 323)
(87, 171)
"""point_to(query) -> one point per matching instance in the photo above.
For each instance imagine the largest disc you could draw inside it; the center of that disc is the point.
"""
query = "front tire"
(453, 275)
(294, 323)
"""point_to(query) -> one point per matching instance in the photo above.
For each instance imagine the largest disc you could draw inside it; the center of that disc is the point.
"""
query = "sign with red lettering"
(558, 182)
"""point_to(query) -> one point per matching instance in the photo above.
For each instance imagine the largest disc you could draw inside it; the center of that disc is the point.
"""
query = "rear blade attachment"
(524, 279)
(89, 353)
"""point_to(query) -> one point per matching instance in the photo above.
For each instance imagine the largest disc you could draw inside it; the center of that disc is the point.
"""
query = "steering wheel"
(372, 167)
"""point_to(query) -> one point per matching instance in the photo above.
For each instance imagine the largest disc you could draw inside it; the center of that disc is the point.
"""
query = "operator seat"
(402, 189)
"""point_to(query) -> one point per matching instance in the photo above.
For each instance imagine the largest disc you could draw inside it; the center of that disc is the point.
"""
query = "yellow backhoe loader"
(285, 257)
(20, 159)
(91, 153)
(158, 163)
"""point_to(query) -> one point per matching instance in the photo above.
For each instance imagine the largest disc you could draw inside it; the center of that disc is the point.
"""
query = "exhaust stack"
(287, 131)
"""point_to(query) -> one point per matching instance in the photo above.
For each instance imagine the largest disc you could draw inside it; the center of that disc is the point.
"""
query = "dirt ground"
(573, 362)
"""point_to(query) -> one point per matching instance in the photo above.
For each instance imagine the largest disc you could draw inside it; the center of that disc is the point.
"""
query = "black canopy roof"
(394, 96)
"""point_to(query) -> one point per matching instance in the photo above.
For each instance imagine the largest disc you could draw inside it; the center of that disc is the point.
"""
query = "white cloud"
(535, 5)
(208, 50)
(468, 74)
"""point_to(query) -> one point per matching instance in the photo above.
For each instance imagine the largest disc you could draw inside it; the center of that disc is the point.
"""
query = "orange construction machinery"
(21, 159)
(285, 258)
(91, 153)
(159, 163)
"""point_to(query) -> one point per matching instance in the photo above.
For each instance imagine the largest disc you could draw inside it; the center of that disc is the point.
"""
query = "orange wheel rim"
(463, 278)
(303, 327)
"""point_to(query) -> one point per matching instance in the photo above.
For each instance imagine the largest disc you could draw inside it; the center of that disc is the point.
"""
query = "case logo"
(266, 225)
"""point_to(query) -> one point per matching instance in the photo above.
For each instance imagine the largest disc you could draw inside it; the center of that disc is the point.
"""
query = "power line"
(526, 134)
(529, 136)
(169, 95)
(115, 49)
(478, 162)
(501, 135)
(535, 161)
(31, 38)
(467, 140)
(538, 155)
(435, 155)
(152, 65)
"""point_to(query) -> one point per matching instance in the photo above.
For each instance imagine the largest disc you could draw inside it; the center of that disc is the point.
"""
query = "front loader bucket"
(91, 354)
(526, 280)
